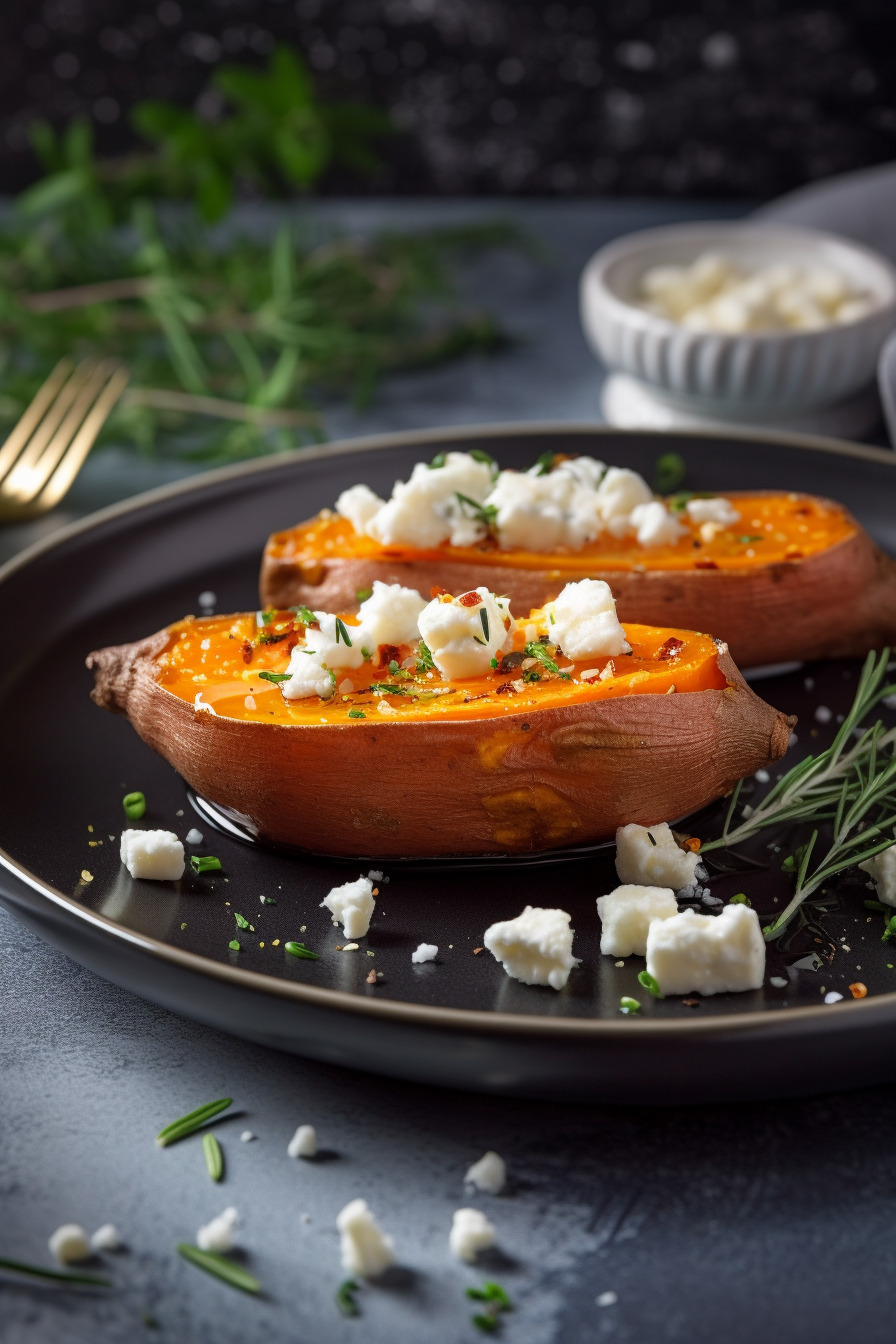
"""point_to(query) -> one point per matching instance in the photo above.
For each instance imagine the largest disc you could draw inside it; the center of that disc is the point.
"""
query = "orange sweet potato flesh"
(495, 765)
(795, 578)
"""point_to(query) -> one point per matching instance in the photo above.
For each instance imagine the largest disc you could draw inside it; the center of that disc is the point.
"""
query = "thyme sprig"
(851, 788)
(53, 1275)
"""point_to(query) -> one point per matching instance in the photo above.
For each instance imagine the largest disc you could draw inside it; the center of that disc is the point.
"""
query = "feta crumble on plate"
(218, 1234)
(69, 1244)
(882, 870)
(156, 855)
(365, 1248)
(648, 856)
(106, 1238)
(707, 954)
(471, 1232)
(352, 906)
(303, 1143)
(425, 952)
(627, 913)
(584, 623)
(535, 948)
(464, 634)
(488, 1174)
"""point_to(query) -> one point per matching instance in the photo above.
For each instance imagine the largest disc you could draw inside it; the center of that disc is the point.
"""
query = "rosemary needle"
(214, 1158)
(220, 1267)
(188, 1124)
(54, 1275)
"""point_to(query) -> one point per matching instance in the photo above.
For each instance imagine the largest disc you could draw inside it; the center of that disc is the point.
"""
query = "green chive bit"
(300, 950)
(275, 677)
(345, 1298)
(357, 714)
(221, 1268)
(234, 945)
(491, 1292)
(493, 663)
(890, 931)
(204, 863)
(650, 983)
(485, 1322)
(134, 805)
(740, 898)
(877, 905)
(53, 1275)
(188, 1124)
(214, 1158)
(241, 920)
(627, 1005)
(669, 473)
(362, 594)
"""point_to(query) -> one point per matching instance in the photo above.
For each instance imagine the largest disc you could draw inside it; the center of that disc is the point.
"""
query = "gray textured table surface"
(732, 1224)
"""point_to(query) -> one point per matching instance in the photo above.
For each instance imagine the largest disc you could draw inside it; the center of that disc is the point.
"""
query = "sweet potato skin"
(529, 781)
(837, 603)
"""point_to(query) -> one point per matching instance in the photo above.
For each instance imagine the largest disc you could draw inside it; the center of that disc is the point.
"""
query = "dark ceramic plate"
(459, 1021)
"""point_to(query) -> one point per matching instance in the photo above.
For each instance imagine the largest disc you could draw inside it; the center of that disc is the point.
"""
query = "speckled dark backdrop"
(629, 97)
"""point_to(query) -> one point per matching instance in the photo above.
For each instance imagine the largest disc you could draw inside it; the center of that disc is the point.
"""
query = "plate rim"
(395, 1010)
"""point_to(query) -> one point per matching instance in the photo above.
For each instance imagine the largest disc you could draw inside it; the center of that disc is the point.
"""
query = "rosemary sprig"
(850, 787)
(220, 1267)
(214, 1158)
(188, 1124)
(53, 1275)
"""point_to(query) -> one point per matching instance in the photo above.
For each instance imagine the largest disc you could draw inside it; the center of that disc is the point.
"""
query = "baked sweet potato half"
(540, 752)
(764, 585)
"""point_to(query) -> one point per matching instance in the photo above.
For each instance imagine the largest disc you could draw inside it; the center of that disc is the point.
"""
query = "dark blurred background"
(640, 97)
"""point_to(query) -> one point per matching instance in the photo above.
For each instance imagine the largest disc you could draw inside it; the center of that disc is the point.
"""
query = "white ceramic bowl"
(735, 376)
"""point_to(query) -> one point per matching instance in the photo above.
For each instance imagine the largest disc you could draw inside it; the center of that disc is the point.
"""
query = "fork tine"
(25, 477)
(32, 415)
(36, 465)
(73, 459)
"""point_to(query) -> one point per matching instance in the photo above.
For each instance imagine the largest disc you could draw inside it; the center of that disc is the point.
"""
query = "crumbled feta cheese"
(544, 512)
(707, 954)
(717, 510)
(69, 1244)
(218, 1235)
(647, 856)
(627, 913)
(471, 1232)
(882, 869)
(425, 510)
(365, 1248)
(157, 855)
(585, 623)
(655, 525)
(778, 981)
(833, 997)
(621, 491)
(488, 1174)
(425, 952)
(303, 1143)
(106, 1238)
(359, 504)
(535, 948)
(352, 905)
(194, 837)
(464, 636)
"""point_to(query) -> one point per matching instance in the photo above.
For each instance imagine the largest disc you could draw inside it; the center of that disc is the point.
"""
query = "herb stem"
(188, 1124)
(220, 1268)
(53, 1275)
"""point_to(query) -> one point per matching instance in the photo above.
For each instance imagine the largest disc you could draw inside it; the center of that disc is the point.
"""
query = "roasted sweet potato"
(767, 587)
(533, 756)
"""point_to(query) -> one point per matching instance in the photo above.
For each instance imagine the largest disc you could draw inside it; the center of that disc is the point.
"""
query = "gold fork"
(47, 448)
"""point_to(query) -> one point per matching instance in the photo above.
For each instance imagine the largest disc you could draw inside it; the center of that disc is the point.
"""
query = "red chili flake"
(705, 563)
(793, 553)
(801, 512)
(247, 651)
(371, 979)
(858, 990)
(388, 653)
(469, 599)
(477, 950)
(435, 591)
(669, 649)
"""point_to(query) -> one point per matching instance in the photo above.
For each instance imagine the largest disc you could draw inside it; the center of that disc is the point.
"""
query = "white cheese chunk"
(352, 906)
(545, 511)
(717, 510)
(425, 952)
(359, 504)
(464, 635)
(627, 913)
(106, 1238)
(535, 948)
(488, 1174)
(365, 1248)
(584, 623)
(218, 1234)
(647, 856)
(882, 869)
(655, 525)
(471, 1232)
(303, 1143)
(69, 1244)
(707, 954)
(620, 491)
(157, 855)
(426, 510)
(390, 615)
(194, 837)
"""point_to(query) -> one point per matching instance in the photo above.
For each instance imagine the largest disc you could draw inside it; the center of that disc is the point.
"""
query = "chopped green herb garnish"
(386, 688)
(345, 1298)
(531, 675)
(628, 1005)
(424, 658)
(496, 1301)
(483, 619)
(220, 1267)
(651, 839)
(362, 594)
(480, 455)
(877, 905)
(357, 714)
(342, 633)
(214, 1158)
(268, 616)
(134, 805)
(234, 945)
(669, 473)
(544, 464)
(486, 513)
(739, 898)
(889, 934)
(275, 677)
(650, 983)
(204, 863)
(300, 950)
(745, 541)
(267, 900)
(438, 461)
(679, 502)
(485, 1321)
(366, 655)
(241, 920)
(53, 1275)
(538, 650)
(493, 663)
(305, 615)
(193, 1120)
